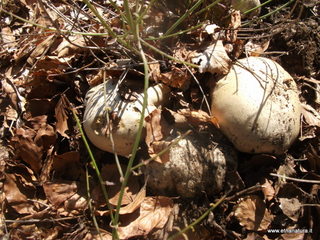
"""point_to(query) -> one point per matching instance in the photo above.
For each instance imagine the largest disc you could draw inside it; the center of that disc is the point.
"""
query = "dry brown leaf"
(291, 199)
(136, 202)
(131, 207)
(96, 79)
(311, 116)
(111, 177)
(37, 122)
(268, 190)
(18, 190)
(30, 231)
(235, 23)
(153, 214)
(60, 191)
(61, 116)
(177, 78)
(195, 117)
(67, 164)
(27, 149)
(214, 59)
(10, 115)
(157, 129)
(292, 236)
(159, 126)
(8, 39)
(94, 235)
(11, 93)
(42, 46)
(256, 49)
(153, 126)
(291, 207)
(51, 62)
(69, 48)
(65, 197)
(154, 71)
(253, 214)
(45, 137)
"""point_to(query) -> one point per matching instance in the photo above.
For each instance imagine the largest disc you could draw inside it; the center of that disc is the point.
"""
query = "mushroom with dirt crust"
(111, 119)
(256, 105)
(199, 163)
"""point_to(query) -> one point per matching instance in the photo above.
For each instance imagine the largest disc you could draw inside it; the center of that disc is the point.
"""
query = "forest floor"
(53, 52)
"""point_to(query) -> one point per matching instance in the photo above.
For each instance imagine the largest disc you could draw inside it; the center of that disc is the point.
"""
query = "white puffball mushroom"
(257, 106)
(123, 115)
(245, 5)
(198, 163)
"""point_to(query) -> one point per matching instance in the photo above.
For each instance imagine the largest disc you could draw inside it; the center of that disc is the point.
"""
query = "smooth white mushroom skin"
(198, 163)
(257, 106)
(124, 115)
(245, 5)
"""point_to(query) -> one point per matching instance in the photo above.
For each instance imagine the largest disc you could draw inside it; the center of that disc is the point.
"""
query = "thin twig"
(41, 220)
(295, 179)
(246, 191)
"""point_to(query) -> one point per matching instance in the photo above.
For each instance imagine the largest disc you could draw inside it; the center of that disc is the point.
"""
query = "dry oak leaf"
(311, 116)
(41, 48)
(291, 199)
(61, 116)
(18, 192)
(153, 214)
(253, 214)
(157, 129)
(256, 49)
(67, 164)
(65, 196)
(177, 77)
(27, 149)
(235, 22)
(268, 190)
(70, 48)
(111, 177)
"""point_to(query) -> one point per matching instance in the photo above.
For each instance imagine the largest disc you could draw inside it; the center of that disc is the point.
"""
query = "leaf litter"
(43, 162)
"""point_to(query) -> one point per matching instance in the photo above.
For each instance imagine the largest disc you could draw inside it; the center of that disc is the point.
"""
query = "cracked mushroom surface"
(114, 113)
(257, 106)
(199, 163)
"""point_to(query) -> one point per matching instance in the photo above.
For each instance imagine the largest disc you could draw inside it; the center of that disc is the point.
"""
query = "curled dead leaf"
(256, 48)
(268, 190)
(153, 214)
(235, 23)
(65, 196)
(311, 116)
(18, 189)
(62, 116)
(133, 195)
(27, 149)
(253, 214)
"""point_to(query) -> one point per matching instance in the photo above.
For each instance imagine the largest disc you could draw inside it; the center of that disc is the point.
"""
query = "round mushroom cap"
(246, 5)
(111, 119)
(257, 106)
